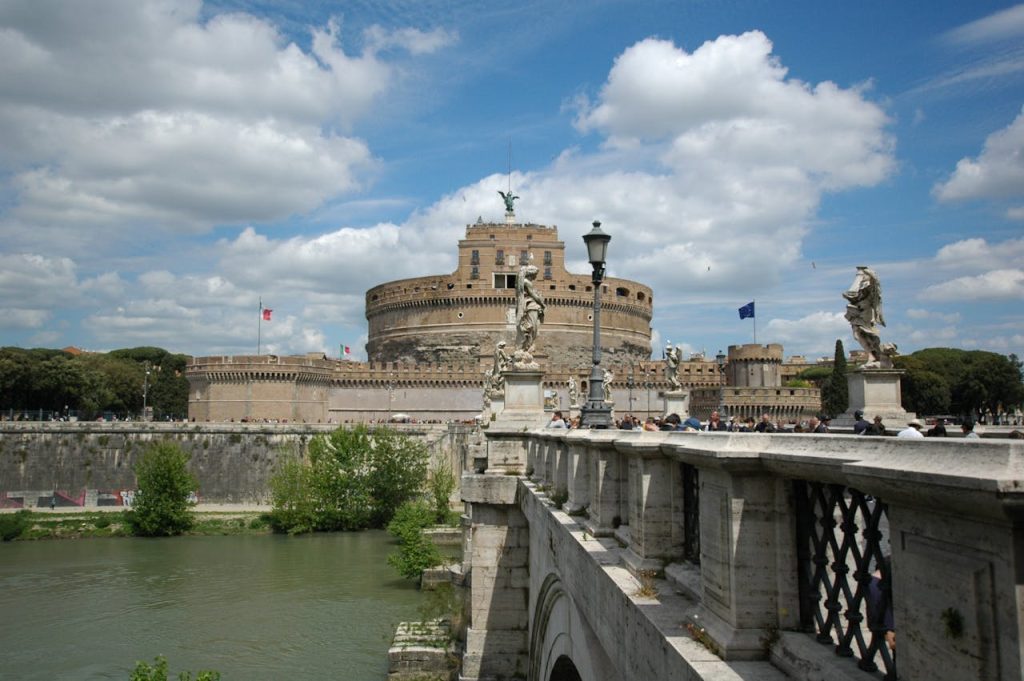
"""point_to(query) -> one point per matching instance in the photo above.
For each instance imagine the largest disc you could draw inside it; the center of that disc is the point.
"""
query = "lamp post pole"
(720, 360)
(647, 384)
(596, 413)
(145, 392)
(391, 393)
(630, 383)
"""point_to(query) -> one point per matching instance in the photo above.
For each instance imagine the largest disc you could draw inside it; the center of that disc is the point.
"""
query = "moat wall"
(91, 464)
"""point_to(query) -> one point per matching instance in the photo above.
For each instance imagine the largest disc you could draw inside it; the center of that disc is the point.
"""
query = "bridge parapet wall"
(774, 544)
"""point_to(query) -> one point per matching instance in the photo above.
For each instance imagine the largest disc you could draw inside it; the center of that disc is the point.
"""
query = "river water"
(252, 608)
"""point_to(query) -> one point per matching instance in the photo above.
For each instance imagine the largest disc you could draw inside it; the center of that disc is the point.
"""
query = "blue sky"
(163, 165)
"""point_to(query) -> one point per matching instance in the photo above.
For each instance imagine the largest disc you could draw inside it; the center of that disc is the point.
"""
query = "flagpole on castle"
(259, 327)
(755, 321)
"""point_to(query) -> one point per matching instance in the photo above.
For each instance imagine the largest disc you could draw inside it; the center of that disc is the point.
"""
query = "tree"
(291, 492)
(416, 552)
(924, 391)
(397, 472)
(835, 398)
(818, 375)
(340, 465)
(977, 379)
(162, 506)
(354, 480)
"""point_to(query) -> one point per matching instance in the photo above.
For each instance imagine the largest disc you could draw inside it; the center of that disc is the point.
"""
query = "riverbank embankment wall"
(92, 464)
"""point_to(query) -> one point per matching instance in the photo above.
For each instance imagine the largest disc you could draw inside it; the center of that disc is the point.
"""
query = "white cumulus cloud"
(997, 173)
(127, 115)
(1005, 284)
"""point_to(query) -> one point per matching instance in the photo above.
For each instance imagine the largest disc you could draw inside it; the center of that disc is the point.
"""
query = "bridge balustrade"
(783, 540)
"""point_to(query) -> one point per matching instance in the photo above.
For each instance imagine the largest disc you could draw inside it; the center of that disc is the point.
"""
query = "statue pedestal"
(876, 392)
(523, 410)
(676, 402)
(497, 404)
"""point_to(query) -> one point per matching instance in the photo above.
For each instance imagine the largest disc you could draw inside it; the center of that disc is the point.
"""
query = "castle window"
(547, 272)
(547, 257)
(524, 257)
(640, 295)
(474, 258)
(572, 287)
(475, 273)
(622, 291)
(499, 259)
(504, 280)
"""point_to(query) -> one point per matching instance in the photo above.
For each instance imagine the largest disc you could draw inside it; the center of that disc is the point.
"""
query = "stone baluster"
(747, 552)
(607, 487)
(655, 503)
(536, 447)
(577, 478)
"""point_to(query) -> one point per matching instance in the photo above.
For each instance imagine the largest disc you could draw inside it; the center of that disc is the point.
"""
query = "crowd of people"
(819, 424)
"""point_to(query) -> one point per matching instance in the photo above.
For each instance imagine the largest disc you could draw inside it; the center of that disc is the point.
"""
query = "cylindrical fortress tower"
(755, 366)
(461, 316)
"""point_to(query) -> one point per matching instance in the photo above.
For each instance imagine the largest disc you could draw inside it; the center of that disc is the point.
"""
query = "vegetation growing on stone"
(416, 552)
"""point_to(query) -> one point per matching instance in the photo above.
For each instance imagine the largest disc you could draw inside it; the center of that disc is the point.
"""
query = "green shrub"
(415, 552)
(414, 556)
(158, 672)
(410, 519)
(102, 522)
(354, 480)
(398, 469)
(291, 490)
(161, 506)
(13, 525)
(442, 484)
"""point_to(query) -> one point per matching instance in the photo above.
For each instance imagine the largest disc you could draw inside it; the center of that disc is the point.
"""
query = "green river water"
(252, 608)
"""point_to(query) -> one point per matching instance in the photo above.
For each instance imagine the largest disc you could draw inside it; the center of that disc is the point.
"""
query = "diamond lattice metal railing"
(691, 513)
(844, 575)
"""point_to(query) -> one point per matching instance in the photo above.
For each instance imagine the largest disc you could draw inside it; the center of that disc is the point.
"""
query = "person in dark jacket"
(716, 422)
(859, 423)
(876, 428)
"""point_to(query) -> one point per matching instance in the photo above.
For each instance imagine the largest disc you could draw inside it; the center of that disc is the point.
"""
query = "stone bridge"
(617, 555)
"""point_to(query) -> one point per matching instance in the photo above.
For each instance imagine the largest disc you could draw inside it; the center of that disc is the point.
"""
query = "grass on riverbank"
(90, 524)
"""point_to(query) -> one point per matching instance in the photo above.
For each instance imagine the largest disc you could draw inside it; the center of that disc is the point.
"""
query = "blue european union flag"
(747, 310)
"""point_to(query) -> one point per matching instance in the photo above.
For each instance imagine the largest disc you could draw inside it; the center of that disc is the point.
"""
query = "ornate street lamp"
(596, 413)
(720, 360)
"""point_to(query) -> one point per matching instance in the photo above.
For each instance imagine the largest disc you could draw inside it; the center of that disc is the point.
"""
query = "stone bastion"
(459, 317)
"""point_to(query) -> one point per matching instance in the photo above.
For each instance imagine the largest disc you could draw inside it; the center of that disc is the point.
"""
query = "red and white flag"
(346, 351)
(266, 314)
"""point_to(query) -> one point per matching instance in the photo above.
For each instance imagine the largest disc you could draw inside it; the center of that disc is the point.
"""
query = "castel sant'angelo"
(432, 341)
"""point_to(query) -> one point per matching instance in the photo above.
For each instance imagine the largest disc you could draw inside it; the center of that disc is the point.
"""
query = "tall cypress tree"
(835, 399)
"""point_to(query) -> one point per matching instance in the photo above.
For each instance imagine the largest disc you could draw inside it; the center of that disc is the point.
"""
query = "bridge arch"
(563, 647)
(564, 670)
